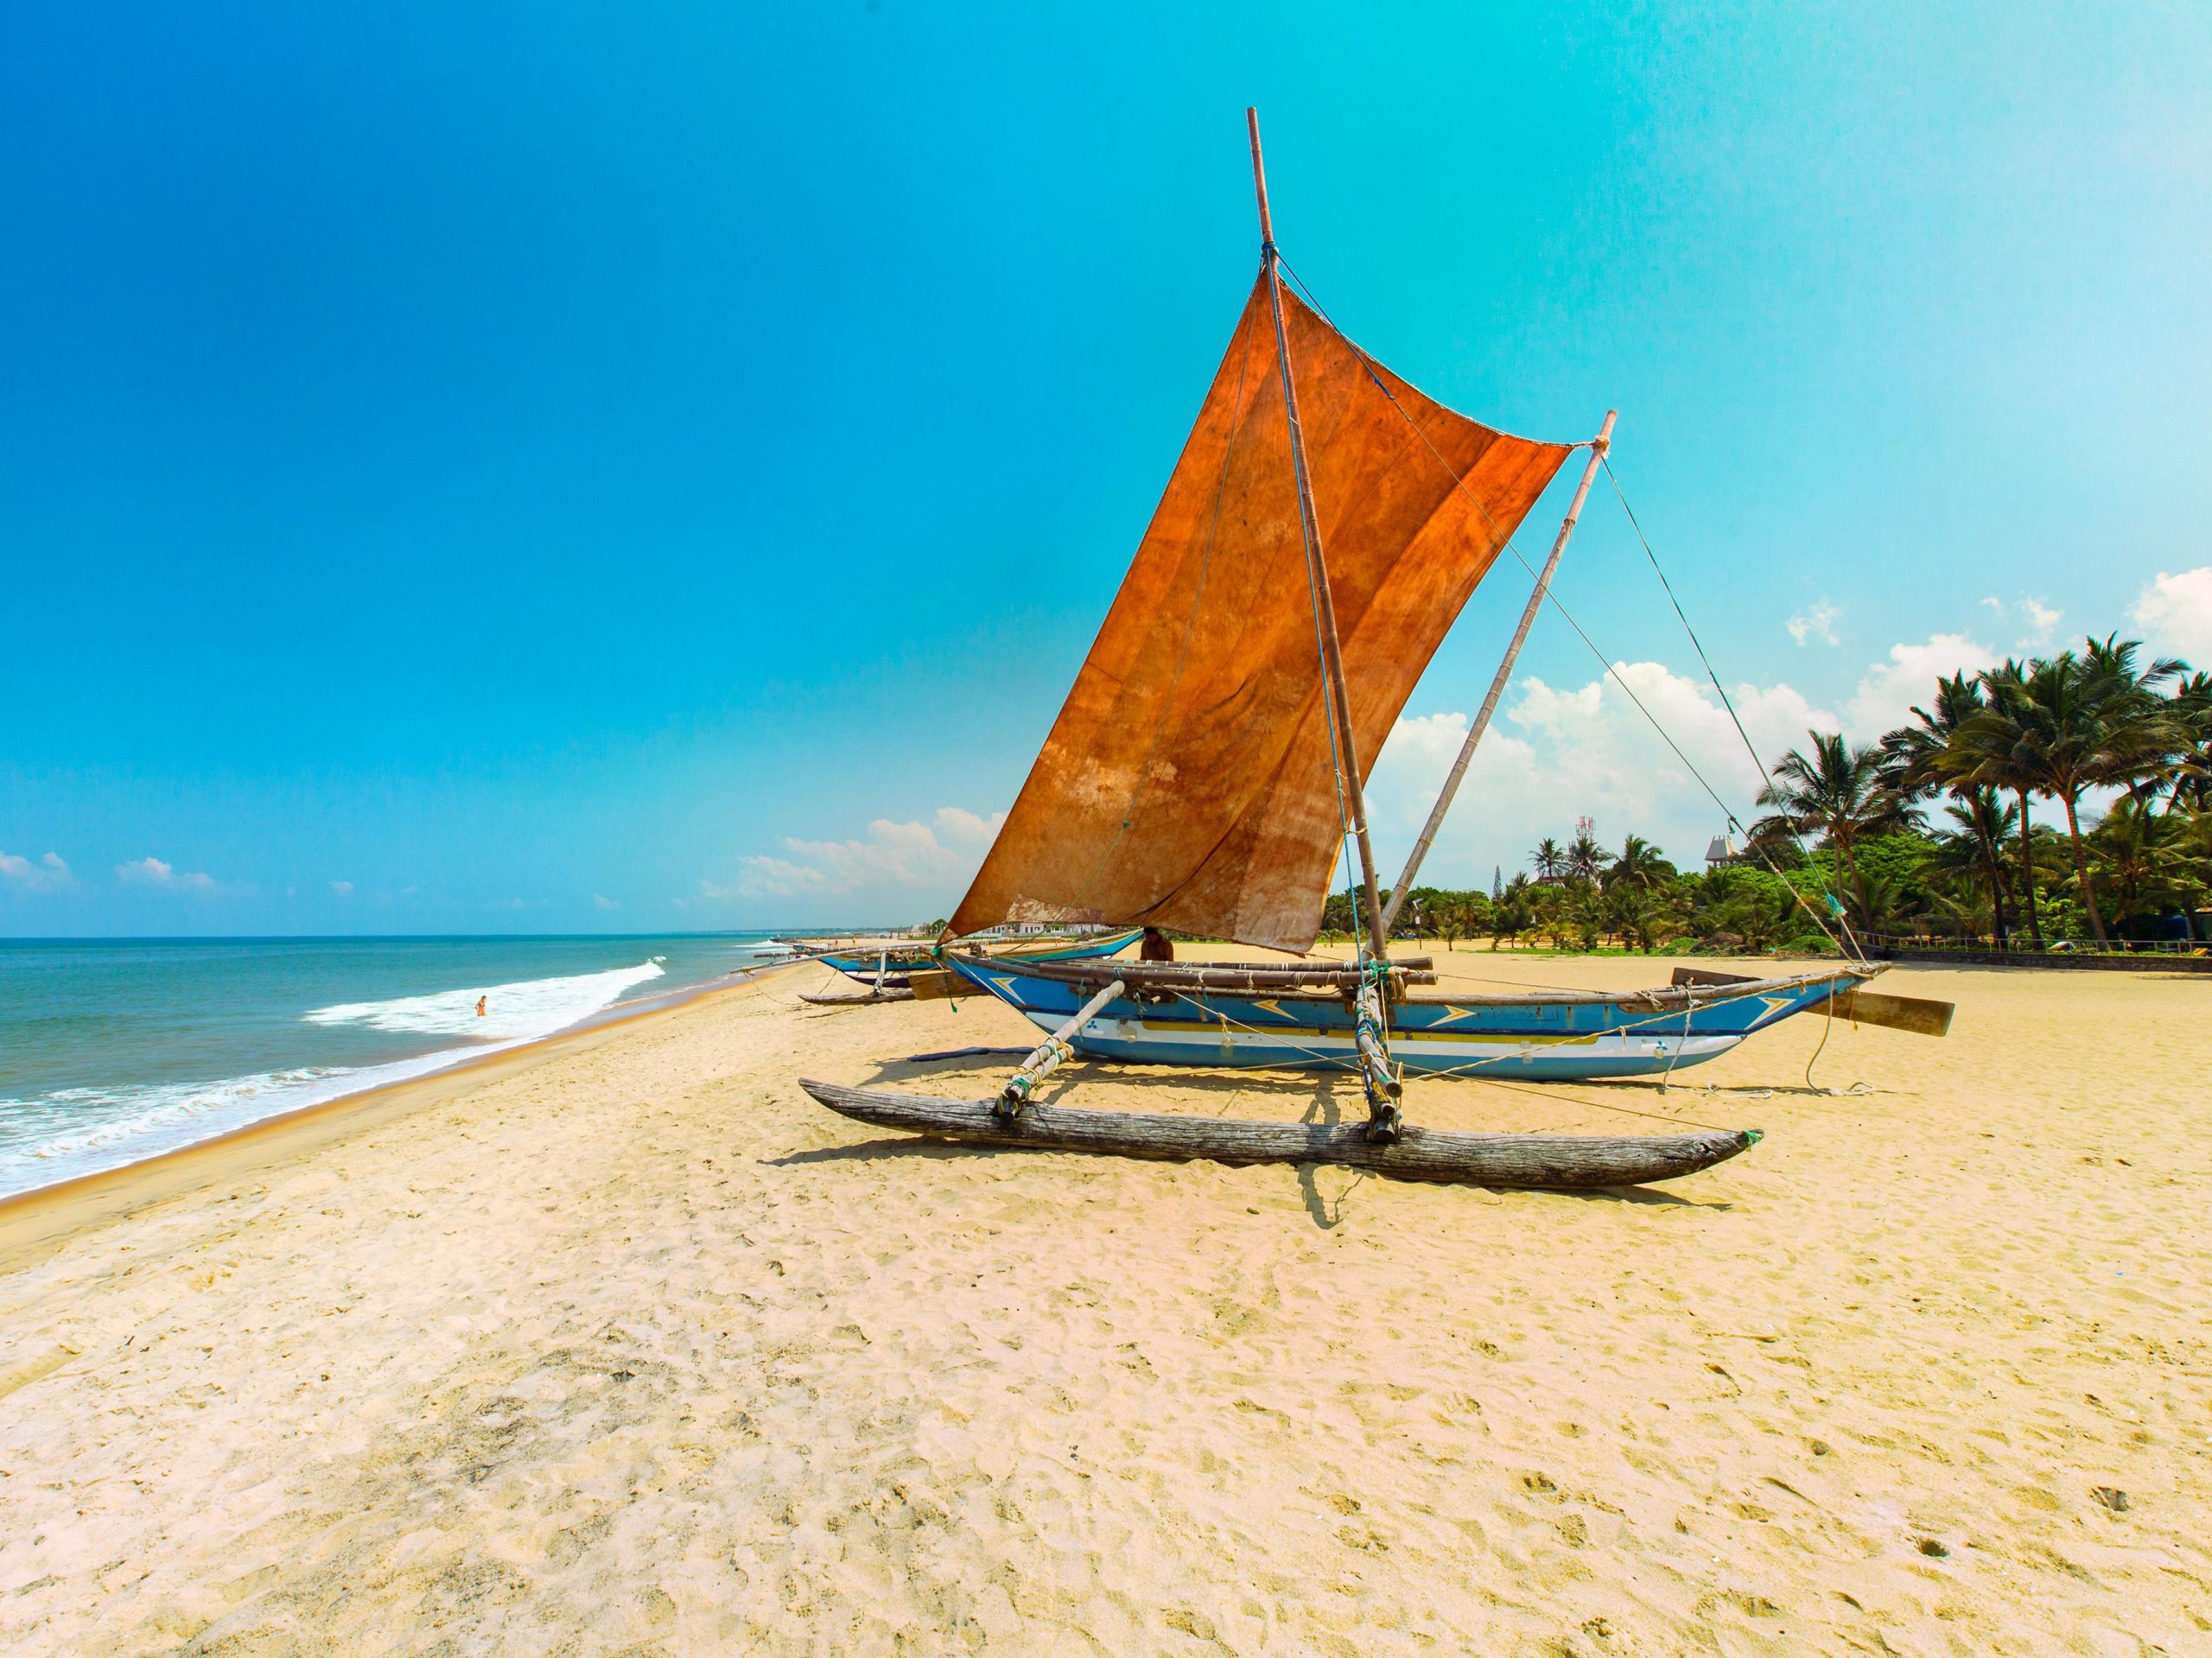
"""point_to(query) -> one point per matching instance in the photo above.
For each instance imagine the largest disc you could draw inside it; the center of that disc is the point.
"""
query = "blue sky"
(550, 468)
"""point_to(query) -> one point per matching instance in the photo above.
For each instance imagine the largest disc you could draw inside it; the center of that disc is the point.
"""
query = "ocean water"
(116, 1050)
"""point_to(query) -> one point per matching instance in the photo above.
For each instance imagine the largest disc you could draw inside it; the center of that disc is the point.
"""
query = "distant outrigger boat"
(1207, 769)
(922, 971)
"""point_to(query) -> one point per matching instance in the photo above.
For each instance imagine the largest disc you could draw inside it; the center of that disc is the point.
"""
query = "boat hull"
(1520, 1038)
(1540, 1162)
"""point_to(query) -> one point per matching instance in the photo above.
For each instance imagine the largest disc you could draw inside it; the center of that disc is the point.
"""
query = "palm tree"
(1840, 792)
(1970, 850)
(1988, 750)
(1586, 859)
(2144, 860)
(1640, 911)
(1731, 911)
(2190, 710)
(2143, 722)
(1549, 858)
(2061, 728)
(1917, 759)
(1913, 755)
(1511, 914)
(1640, 864)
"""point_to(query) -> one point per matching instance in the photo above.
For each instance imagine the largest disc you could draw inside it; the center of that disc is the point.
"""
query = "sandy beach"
(622, 1345)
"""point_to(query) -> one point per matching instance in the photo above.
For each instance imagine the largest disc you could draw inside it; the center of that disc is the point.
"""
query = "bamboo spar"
(1597, 447)
(1048, 1054)
(1317, 569)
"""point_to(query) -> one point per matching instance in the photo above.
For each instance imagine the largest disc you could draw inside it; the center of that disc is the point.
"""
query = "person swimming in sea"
(480, 1000)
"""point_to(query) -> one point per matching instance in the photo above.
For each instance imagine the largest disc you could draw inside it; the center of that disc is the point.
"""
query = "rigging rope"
(1551, 596)
(1721, 691)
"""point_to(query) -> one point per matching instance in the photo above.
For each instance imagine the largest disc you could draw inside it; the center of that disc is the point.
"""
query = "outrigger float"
(1207, 771)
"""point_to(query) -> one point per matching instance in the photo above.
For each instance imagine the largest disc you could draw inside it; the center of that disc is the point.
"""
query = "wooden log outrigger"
(1544, 1162)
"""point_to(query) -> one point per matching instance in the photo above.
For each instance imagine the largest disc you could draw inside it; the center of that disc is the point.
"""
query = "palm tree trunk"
(1857, 885)
(2082, 873)
(2028, 874)
(1989, 856)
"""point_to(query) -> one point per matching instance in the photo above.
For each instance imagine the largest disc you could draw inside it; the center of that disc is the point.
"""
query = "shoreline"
(45, 1217)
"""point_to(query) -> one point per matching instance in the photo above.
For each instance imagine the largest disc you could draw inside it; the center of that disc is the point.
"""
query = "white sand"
(632, 1348)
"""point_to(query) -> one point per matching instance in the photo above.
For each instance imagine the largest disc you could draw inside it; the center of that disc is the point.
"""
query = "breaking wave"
(76, 1131)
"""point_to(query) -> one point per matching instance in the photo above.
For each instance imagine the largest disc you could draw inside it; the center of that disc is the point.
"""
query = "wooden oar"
(1919, 1014)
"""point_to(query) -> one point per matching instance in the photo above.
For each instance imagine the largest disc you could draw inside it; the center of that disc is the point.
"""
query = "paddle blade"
(1915, 1013)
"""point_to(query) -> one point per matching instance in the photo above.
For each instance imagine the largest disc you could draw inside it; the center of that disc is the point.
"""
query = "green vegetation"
(1942, 832)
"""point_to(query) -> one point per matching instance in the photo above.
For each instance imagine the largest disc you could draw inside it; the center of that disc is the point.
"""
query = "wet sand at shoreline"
(624, 1345)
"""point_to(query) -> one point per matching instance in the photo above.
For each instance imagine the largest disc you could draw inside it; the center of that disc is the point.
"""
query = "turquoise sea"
(116, 1050)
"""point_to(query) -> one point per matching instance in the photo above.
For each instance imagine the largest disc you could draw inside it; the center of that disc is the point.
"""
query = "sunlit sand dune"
(624, 1345)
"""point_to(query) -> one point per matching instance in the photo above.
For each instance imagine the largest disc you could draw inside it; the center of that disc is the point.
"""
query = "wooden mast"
(1317, 568)
(1597, 447)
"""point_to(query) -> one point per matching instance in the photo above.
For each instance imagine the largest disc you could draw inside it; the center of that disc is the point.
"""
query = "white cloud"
(343, 888)
(937, 855)
(152, 871)
(1563, 754)
(1815, 622)
(48, 875)
(2039, 620)
(2175, 612)
(600, 901)
(1885, 696)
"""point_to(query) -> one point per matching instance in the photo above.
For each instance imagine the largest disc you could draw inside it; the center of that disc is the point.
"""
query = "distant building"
(1723, 850)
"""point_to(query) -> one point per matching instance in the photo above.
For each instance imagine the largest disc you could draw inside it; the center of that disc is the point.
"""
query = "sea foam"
(71, 1131)
(534, 1008)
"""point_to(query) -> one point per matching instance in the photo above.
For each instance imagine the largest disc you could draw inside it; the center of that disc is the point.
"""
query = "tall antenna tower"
(1583, 826)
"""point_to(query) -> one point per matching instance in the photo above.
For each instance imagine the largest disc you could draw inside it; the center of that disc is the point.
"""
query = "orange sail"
(1189, 780)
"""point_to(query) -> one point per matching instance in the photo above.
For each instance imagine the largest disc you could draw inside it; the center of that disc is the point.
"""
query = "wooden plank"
(1204, 976)
(1541, 1162)
(1919, 1014)
(1706, 976)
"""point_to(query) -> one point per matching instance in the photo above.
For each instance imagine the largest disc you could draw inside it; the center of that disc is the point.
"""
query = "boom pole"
(1603, 441)
(1317, 570)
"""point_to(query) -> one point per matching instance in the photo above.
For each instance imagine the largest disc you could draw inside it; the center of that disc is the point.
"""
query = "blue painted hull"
(1534, 1038)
